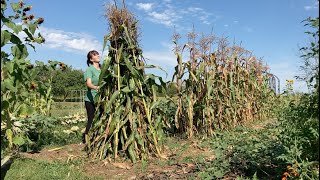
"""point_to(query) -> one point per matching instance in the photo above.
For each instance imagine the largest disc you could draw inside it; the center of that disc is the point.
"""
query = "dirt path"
(177, 165)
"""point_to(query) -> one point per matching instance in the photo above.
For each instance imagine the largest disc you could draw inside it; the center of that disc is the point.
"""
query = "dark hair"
(89, 55)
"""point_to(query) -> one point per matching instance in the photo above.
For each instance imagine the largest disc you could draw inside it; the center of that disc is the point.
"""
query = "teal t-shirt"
(94, 74)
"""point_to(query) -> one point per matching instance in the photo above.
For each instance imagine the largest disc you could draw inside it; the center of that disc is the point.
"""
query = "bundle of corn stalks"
(128, 124)
(223, 89)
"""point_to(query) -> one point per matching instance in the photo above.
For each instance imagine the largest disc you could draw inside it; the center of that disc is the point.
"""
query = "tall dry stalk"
(225, 87)
(128, 124)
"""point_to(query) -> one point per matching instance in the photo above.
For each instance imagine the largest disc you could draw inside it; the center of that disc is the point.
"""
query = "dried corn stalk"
(128, 124)
(224, 88)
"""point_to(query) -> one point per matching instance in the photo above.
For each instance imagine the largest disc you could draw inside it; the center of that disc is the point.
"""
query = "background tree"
(310, 55)
(64, 82)
(21, 95)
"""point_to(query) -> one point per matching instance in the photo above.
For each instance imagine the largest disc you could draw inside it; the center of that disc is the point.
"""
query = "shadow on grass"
(5, 167)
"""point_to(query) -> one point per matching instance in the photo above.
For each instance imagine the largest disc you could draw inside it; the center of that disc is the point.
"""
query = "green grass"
(187, 159)
(39, 170)
(161, 163)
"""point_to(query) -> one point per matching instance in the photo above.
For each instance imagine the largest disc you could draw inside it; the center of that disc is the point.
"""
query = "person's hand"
(97, 88)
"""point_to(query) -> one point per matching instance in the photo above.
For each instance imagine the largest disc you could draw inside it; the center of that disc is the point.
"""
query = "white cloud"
(167, 18)
(69, 41)
(311, 7)
(248, 29)
(161, 58)
(202, 15)
(66, 41)
(145, 6)
(194, 9)
(307, 8)
(169, 14)
(164, 57)
(206, 22)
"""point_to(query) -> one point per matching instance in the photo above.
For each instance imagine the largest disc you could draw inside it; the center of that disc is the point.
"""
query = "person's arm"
(90, 85)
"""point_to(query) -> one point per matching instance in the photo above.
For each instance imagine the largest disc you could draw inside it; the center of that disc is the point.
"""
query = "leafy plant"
(21, 94)
(65, 81)
(16, 82)
(300, 117)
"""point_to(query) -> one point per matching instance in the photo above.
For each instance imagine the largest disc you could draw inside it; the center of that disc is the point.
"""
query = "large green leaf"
(9, 67)
(24, 110)
(154, 104)
(28, 34)
(18, 140)
(131, 68)
(19, 51)
(5, 37)
(113, 98)
(32, 28)
(126, 89)
(8, 84)
(15, 39)
(129, 141)
(15, 6)
(4, 104)
(16, 28)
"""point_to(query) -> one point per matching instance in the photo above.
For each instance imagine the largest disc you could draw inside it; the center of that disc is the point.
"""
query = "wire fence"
(72, 104)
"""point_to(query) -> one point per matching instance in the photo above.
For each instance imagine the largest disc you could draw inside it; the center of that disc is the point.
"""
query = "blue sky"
(270, 29)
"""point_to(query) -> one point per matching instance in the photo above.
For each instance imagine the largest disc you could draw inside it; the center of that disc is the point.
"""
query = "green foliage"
(299, 117)
(44, 131)
(298, 134)
(171, 89)
(65, 81)
(37, 131)
(245, 152)
(16, 76)
(21, 93)
(310, 55)
(167, 109)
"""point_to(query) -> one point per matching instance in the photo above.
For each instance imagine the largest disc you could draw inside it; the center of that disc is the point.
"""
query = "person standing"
(91, 78)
